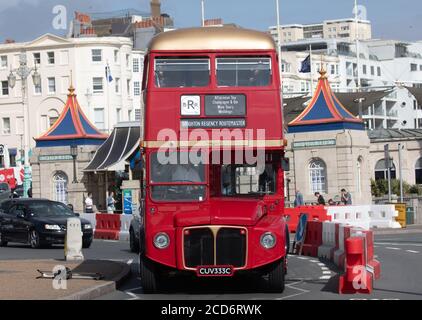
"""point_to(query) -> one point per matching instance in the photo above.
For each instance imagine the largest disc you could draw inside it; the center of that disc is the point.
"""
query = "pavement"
(415, 228)
(19, 279)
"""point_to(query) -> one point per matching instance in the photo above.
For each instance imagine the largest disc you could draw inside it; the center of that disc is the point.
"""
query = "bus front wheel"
(276, 277)
(149, 278)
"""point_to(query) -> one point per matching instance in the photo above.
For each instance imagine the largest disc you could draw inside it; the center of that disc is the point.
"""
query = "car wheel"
(34, 239)
(276, 277)
(149, 278)
(134, 244)
(3, 243)
(86, 244)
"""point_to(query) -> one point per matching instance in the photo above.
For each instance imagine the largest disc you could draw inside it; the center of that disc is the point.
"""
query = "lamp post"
(74, 153)
(21, 74)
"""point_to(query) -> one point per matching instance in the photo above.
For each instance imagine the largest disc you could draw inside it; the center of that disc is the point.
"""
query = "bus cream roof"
(212, 38)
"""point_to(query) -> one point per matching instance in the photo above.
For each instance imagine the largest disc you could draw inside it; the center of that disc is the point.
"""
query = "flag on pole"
(306, 65)
(108, 74)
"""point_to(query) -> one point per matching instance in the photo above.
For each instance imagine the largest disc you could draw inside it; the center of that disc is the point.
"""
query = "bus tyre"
(148, 277)
(276, 277)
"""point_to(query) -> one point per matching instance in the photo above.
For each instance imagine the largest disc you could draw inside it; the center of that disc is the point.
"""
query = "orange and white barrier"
(109, 226)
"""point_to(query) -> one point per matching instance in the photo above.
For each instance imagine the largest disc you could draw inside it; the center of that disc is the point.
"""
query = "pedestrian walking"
(89, 204)
(299, 199)
(111, 202)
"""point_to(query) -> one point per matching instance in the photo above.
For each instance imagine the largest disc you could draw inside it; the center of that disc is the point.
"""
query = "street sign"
(127, 201)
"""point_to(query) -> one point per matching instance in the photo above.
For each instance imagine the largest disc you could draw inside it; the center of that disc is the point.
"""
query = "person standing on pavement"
(299, 199)
(111, 203)
(320, 199)
(346, 197)
(89, 204)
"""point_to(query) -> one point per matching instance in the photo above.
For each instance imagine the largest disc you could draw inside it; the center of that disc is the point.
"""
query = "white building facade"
(104, 101)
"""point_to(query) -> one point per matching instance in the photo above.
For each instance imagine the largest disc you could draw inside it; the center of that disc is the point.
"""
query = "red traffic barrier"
(107, 227)
(314, 213)
(356, 278)
(313, 238)
(372, 264)
(340, 253)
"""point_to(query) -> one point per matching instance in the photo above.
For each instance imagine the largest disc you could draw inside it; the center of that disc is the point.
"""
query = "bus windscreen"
(243, 72)
(182, 73)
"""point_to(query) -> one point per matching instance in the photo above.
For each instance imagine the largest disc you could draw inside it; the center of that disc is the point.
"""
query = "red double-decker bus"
(213, 148)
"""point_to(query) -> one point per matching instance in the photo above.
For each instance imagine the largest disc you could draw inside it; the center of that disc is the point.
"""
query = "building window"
(51, 58)
(379, 71)
(413, 67)
(6, 126)
(135, 65)
(418, 171)
(136, 88)
(3, 62)
(137, 114)
(118, 114)
(53, 116)
(60, 182)
(51, 85)
(381, 172)
(5, 88)
(117, 85)
(318, 176)
(116, 56)
(99, 118)
(97, 55)
(372, 70)
(37, 58)
(38, 88)
(128, 87)
(97, 85)
(364, 69)
(127, 60)
(12, 157)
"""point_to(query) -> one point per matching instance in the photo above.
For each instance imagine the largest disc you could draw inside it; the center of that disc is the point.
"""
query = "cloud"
(4, 5)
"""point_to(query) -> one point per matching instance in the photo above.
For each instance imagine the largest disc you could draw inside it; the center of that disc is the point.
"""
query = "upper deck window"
(179, 73)
(244, 72)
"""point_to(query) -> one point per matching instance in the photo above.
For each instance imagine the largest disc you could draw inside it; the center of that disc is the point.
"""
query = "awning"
(351, 99)
(293, 107)
(417, 93)
(117, 150)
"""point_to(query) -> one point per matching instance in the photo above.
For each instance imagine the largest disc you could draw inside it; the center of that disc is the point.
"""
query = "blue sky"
(27, 19)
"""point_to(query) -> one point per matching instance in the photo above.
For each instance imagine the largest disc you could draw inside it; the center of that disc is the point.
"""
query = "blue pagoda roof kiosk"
(328, 148)
(68, 145)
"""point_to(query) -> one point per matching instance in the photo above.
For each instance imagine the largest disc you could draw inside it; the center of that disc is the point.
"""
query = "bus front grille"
(199, 248)
(215, 246)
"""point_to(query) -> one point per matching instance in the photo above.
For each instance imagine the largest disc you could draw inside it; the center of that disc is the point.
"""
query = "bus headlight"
(161, 240)
(268, 240)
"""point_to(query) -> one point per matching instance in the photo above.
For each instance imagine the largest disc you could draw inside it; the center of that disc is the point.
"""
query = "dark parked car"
(5, 192)
(38, 222)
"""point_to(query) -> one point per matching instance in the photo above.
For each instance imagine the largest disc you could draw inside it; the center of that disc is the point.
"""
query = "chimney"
(155, 8)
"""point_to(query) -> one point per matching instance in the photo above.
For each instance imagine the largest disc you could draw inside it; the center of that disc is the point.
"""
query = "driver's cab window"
(247, 180)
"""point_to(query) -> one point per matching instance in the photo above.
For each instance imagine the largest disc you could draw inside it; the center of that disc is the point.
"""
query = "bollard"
(73, 240)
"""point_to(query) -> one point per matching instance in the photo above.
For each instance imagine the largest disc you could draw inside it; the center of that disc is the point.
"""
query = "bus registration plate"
(214, 271)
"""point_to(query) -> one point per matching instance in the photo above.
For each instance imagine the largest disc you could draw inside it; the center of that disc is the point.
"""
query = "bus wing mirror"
(285, 164)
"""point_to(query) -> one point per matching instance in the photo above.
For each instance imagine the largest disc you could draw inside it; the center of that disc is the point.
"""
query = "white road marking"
(291, 286)
(399, 244)
(303, 258)
(326, 272)
(130, 293)
(314, 261)
(391, 248)
(321, 264)
(324, 268)
(111, 241)
(129, 262)
(325, 277)
(412, 251)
